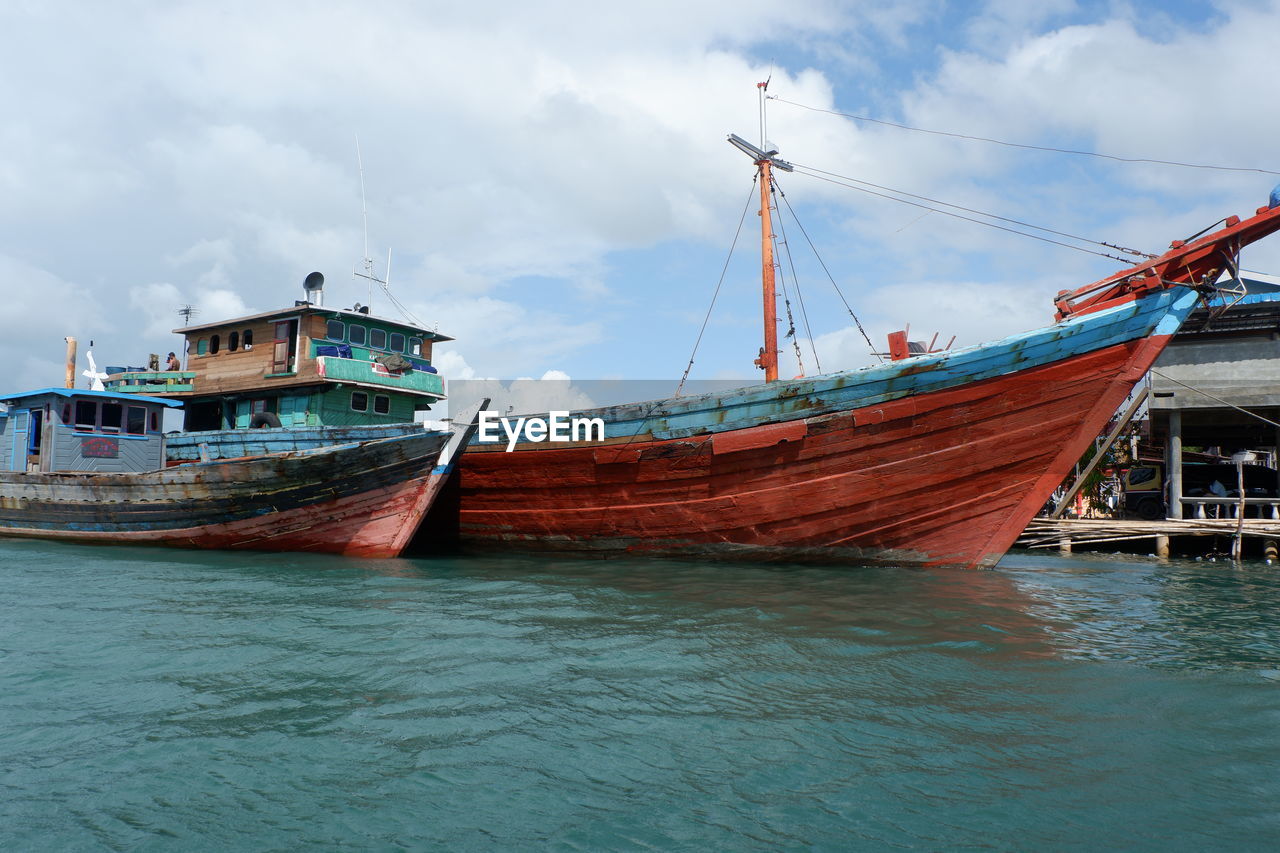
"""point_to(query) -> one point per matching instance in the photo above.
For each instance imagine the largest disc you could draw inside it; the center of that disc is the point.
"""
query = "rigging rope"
(830, 277)
(719, 283)
(791, 323)
(804, 314)
(1021, 145)
(972, 210)
(1215, 399)
(804, 170)
(403, 311)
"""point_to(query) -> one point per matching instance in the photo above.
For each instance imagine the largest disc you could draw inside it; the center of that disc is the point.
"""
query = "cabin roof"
(84, 392)
(307, 308)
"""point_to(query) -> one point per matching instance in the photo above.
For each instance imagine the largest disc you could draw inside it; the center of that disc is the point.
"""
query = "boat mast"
(768, 359)
(766, 161)
(769, 354)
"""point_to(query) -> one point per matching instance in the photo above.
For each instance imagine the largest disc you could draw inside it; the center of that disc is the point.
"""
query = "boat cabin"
(308, 365)
(65, 429)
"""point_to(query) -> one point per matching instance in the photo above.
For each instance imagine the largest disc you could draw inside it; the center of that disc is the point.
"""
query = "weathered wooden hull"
(237, 443)
(936, 460)
(362, 499)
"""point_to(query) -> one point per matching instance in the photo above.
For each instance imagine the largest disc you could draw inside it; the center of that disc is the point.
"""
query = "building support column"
(1276, 458)
(1173, 464)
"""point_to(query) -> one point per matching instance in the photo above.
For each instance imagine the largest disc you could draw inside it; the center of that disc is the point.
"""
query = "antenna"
(186, 312)
(762, 90)
(364, 216)
(367, 263)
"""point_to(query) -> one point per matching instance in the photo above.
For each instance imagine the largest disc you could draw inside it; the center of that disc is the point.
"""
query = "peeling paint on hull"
(358, 499)
(936, 461)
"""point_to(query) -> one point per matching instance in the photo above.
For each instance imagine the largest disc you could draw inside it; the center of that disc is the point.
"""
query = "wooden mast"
(769, 355)
(765, 160)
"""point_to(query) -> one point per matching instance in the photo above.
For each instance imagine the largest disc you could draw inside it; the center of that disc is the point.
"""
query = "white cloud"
(524, 170)
(40, 310)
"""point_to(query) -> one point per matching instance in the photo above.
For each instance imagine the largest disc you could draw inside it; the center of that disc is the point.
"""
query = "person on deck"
(172, 365)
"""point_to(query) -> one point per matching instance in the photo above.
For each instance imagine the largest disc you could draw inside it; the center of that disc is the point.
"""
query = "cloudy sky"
(553, 177)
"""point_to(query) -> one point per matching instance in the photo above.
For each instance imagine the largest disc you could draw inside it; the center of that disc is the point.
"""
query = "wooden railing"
(371, 373)
(151, 381)
(1212, 507)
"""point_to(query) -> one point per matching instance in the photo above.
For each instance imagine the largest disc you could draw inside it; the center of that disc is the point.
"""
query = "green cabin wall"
(328, 407)
(335, 408)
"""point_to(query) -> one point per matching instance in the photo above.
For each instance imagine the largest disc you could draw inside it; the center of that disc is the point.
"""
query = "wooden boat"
(939, 458)
(297, 378)
(97, 475)
(185, 447)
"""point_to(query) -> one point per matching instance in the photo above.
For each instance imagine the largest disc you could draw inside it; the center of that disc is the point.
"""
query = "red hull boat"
(935, 459)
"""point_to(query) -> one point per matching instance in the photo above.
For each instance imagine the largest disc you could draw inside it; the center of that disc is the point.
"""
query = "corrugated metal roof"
(345, 313)
(84, 392)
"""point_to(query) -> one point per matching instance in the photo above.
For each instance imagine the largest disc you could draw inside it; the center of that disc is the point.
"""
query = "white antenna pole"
(762, 88)
(364, 216)
(384, 283)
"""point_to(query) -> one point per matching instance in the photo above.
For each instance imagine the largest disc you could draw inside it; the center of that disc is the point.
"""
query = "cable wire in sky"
(804, 170)
(1021, 145)
(812, 169)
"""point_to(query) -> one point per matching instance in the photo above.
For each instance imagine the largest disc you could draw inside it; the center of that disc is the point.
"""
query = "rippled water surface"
(157, 699)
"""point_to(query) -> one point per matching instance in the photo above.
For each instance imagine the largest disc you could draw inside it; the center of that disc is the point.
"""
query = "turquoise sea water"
(155, 700)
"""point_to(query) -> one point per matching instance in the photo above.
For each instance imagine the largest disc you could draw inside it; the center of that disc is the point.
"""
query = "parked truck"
(1144, 485)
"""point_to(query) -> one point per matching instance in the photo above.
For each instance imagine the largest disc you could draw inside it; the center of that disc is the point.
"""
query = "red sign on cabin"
(106, 448)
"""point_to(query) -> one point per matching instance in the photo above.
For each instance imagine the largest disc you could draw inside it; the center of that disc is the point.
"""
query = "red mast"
(769, 354)
(766, 161)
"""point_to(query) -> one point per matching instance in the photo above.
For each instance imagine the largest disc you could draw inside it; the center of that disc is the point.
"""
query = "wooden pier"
(1250, 535)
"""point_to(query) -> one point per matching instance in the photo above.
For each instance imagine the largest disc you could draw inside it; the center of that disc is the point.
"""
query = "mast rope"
(719, 283)
(1215, 399)
(1021, 145)
(804, 314)
(804, 170)
(791, 323)
(830, 277)
(818, 173)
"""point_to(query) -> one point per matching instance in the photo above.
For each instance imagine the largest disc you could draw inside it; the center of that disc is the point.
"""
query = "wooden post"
(1064, 545)
(71, 362)
(1162, 546)
(1270, 552)
(768, 358)
(1173, 464)
(1237, 544)
(1101, 452)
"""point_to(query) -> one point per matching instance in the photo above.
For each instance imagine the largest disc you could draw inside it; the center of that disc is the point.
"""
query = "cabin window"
(377, 339)
(415, 346)
(137, 423)
(155, 421)
(248, 338)
(381, 404)
(335, 330)
(112, 415)
(356, 334)
(397, 342)
(66, 413)
(215, 343)
(86, 414)
(233, 342)
(202, 347)
(359, 401)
